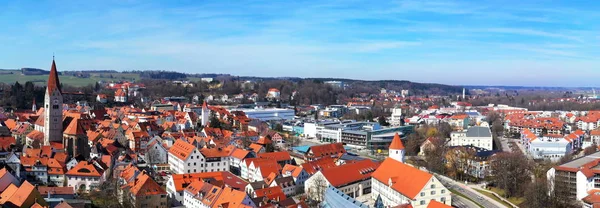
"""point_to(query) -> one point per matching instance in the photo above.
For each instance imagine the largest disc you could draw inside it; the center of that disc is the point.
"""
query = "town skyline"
(451, 42)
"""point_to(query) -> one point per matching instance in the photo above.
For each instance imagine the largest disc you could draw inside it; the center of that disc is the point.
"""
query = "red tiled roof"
(273, 193)
(6, 142)
(181, 149)
(181, 181)
(327, 149)
(407, 180)
(313, 167)
(436, 204)
(55, 190)
(277, 156)
(84, 168)
(350, 173)
(143, 185)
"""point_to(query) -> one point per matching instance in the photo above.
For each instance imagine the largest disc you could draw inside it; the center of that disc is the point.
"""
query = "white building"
(85, 176)
(578, 177)
(185, 158)
(354, 179)
(396, 118)
(552, 148)
(273, 93)
(476, 136)
(398, 183)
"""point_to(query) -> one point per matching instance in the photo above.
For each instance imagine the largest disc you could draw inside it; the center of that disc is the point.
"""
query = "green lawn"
(5, 77)
(515, 201)
(463, 196)
(42, 79)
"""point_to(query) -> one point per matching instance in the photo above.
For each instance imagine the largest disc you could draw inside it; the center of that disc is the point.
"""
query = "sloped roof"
(53, 81)
(277, 156)
(407, 180)
(143, 185)
(350, 173)
(181, 149)
(396, 143)
(85, 168)
(327, 149)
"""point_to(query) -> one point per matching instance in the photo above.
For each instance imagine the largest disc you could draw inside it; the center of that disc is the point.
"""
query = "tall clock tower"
(53, 113)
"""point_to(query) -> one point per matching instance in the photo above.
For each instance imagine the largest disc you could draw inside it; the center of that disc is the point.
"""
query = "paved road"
(470, 193)
(461, 202)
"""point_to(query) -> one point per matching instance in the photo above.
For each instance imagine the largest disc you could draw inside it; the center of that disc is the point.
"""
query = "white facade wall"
(193, 164)
(89, 182)
(433, 190)
(461, 139)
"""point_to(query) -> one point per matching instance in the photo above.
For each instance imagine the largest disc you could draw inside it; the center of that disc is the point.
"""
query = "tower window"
(55, 106)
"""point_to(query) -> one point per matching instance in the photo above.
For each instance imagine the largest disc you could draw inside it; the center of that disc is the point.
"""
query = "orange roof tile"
(239, 153)
(327, 149)
(272, 193)
(84, 168)
(292, 169)
(313, 167)
(6, 142)
(407, 180)
(181, 181)
(277, 156)
(181, 149)
(143, 185)
(396, 143)
(349, 173)
(436, 204)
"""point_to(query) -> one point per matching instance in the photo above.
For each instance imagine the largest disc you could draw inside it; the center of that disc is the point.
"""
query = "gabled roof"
(181, 149)
(396, 143)
(56, 190)
(239, 153)
(350, 173)
(85, 168)
(273, 193)
(181, 181)
(277, 156)
(143, 185)
(313, 167)
(292, 169)
(6, 142)
(436, 204)
(75, 127)
(327, 149)
(407, 180)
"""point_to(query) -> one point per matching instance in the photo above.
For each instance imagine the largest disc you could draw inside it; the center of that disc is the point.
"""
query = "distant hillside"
(34, 71)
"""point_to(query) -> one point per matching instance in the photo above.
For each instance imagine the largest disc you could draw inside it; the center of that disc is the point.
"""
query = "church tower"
(205, 113)
(53, 114)
(396, 150)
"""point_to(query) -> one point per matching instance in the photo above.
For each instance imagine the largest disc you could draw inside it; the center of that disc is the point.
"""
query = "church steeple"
(53, 82)
(396, 149)
(53, 115)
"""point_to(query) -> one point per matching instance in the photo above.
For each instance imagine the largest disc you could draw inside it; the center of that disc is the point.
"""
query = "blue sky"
(528, 43)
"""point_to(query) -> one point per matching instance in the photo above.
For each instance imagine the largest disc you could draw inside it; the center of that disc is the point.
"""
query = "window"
(55, 106)
(422, 202)
(443, 191)
(432, 192)
(443, 200)
(432, 185)
(422, 193)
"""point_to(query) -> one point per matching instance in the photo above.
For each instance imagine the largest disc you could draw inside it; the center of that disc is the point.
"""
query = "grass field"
(66, 80)
(514, 200)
